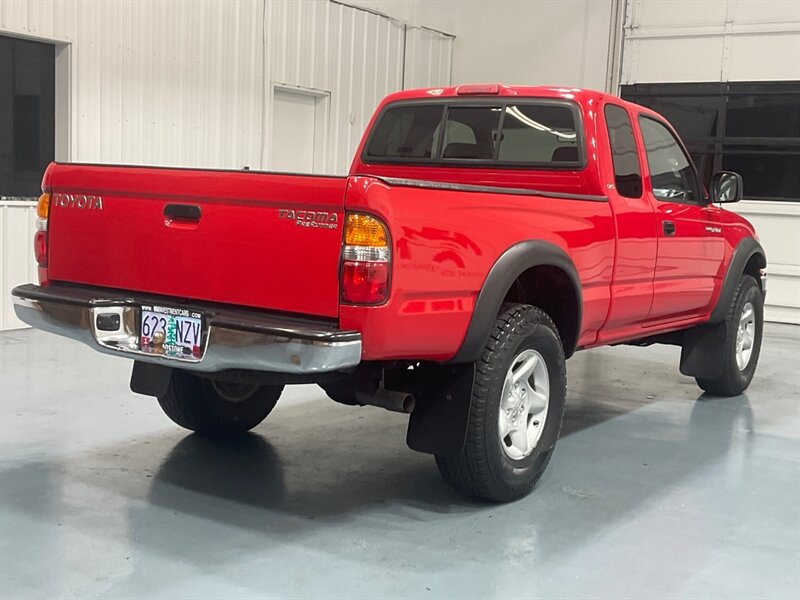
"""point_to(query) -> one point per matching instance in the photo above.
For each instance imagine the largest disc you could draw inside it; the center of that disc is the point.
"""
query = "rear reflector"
(40, 247)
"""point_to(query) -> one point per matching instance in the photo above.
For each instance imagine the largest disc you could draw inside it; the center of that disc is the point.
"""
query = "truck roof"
(484, 90)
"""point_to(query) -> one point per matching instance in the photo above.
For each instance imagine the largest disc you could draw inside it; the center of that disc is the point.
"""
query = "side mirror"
(726, 186)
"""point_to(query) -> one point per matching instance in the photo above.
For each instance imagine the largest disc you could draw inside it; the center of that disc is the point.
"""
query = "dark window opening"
(773, 175)
(627, 172)
(754, 116)
(750, 128)
(27, 115)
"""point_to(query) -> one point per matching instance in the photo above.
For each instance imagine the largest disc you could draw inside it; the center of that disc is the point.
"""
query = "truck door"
(635, 261)
(690, 242)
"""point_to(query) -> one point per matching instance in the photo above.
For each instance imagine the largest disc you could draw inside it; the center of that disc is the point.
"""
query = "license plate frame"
(171, 332)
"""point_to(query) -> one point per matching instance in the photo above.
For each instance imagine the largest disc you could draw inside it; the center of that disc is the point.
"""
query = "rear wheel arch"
(533, 272)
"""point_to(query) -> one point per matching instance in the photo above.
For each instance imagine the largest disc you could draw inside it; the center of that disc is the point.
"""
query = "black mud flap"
(703, 351)
(443, 396)
(149, 379)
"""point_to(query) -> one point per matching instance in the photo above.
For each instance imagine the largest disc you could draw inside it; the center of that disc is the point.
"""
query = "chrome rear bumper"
(234, 339)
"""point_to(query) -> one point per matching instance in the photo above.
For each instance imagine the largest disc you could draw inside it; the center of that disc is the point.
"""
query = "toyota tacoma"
(484, 234)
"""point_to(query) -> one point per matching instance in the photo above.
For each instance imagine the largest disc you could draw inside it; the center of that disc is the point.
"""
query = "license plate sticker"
(171, 332)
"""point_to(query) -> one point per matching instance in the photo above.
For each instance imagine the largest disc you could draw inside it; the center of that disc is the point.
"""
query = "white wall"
(142, 90)
(188, 83)
(539, 42)
(669, 41)
(778, 227)
(17, 264)
(712, 40)
(428, 61)
(530, 42)
(355, 55)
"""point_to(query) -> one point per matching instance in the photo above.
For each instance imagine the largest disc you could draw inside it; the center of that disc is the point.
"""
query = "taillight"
(40, 237)
(40, 247)
(366, 260)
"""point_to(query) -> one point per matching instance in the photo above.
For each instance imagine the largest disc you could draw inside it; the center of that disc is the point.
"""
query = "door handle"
(182, 212)
(669, 228)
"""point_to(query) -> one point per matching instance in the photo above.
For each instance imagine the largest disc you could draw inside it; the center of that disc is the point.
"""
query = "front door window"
(671, 172)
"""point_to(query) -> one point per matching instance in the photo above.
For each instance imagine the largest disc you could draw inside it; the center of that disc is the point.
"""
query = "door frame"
(322, 111)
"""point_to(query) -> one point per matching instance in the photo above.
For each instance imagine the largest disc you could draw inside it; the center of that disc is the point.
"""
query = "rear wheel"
(216, 408)
(740, 351)
(517, 408)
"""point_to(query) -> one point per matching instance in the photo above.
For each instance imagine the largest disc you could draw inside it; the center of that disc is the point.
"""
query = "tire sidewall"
(524, 472)
(749, 292)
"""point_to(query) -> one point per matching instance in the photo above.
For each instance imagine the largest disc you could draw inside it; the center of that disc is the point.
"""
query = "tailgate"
(263, 240)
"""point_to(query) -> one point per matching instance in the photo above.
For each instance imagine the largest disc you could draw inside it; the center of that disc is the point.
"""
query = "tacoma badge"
(310, 218)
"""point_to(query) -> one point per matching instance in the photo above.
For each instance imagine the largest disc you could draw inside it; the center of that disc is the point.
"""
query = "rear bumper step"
(234, 338)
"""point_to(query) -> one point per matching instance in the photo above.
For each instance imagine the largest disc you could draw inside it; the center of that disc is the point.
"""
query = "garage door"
(728, 77)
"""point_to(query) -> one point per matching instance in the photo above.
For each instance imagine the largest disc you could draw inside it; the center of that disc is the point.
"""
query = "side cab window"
(671, 170)
(625, 156)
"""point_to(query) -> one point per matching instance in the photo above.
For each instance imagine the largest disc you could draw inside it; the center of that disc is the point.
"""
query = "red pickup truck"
(484, 234)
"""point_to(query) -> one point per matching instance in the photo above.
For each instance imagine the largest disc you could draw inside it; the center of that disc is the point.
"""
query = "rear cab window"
(528, 133)
(624, 154)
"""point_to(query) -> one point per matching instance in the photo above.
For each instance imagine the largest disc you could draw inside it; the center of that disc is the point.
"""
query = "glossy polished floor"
(654, 492)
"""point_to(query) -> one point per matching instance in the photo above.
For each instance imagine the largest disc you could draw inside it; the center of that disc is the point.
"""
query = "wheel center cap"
(517, 410)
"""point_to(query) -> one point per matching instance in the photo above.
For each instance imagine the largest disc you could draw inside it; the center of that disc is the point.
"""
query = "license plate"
(171, 332)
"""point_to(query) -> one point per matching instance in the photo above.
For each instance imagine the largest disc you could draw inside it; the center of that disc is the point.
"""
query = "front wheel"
(216, 408)
(740, 351)
(517, 409)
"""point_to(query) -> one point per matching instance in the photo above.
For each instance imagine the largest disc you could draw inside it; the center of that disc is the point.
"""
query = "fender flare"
(511, 264)
(745, 250)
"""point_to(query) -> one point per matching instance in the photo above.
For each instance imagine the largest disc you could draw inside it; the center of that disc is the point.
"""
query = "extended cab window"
(627, 173)
(534, 134)
(407, 132)
(672, 174)
(470, 132)
(539, 134)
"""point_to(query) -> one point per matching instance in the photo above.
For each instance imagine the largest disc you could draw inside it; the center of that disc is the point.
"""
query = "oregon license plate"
(171, 332)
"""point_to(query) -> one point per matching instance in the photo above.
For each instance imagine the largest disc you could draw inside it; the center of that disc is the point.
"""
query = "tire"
(492, 467)
(217, 409)
(735, 378)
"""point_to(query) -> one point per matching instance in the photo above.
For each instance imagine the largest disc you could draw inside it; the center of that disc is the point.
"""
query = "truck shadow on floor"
(318, 466)
(316, 471)
(290, 483)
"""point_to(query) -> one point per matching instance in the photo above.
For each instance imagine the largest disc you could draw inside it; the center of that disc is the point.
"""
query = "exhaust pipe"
(370, 390)
(396, 401)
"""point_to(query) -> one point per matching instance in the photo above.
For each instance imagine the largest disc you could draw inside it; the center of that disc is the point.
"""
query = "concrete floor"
(654, 492)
